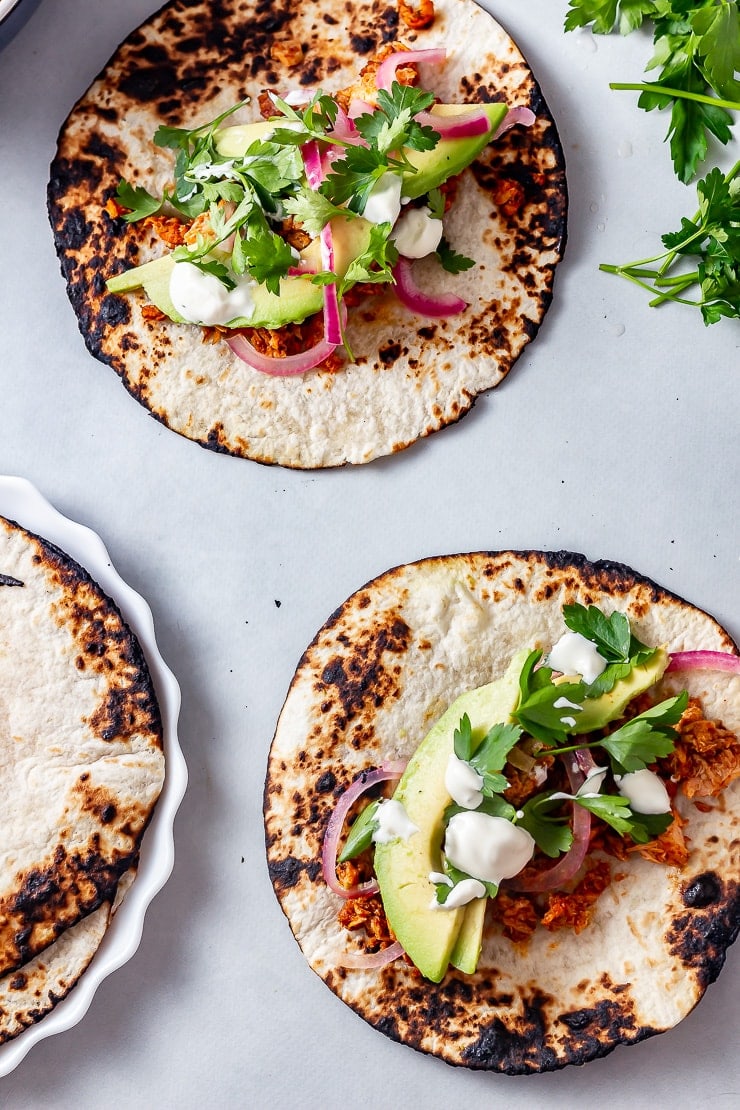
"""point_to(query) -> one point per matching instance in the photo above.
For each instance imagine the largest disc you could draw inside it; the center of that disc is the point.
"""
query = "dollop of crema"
(417, 233)
(486, 847)
(463, 783)
(467, 890)
(393, 822)
(644, 790)
(201, 298)
(384, 200)
(574, 654)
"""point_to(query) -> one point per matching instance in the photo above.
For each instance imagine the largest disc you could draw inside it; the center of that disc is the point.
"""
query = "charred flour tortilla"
(80, 746)
(411, 375)
(384, 667)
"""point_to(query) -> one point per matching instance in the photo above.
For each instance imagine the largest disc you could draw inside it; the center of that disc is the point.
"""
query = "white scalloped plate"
(20, 501)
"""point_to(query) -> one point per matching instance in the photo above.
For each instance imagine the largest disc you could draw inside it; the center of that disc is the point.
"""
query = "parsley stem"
(679, 94)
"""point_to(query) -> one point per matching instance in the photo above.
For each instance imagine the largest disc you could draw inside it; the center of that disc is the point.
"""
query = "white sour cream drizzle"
(384, 200)
(644, 790)
(393, 822)
(574, 654)
(488, 848)
(467, 890)
(463, 783)
(202, 299)
(589, 788)
(417, 233)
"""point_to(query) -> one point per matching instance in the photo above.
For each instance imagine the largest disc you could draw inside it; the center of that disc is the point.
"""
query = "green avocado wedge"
(298, 296)
(402, 867)
(598, 712)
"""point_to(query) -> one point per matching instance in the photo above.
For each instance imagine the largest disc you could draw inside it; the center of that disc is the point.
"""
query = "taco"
(80, 749)
(309, 254)
(573, 886)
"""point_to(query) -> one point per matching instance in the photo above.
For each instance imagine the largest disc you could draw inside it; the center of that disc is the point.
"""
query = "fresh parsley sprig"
(712, 238)
(614, 641)
(697, 50)
(616, 811)
(537, 713)
(550, 830)
(489, 757)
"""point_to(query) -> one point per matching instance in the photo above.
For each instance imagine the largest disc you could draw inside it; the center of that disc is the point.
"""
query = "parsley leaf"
(457, 876)
(262, 252)
(450, 260)
(605, 15)
(615, 811)
(553, 835)
(647, 737)
(375, 264)
(312, 210)
(614, 641)
(139, 202)
(537, 712)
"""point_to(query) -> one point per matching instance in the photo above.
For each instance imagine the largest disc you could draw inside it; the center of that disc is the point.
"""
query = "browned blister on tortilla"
(378, 675)
(411, 375)
(80, 746)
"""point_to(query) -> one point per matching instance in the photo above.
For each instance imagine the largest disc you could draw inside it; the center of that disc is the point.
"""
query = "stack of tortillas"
(82, 767)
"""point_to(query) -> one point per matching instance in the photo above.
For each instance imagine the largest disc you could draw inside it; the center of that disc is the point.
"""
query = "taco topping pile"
(272, 223)
(521, 793)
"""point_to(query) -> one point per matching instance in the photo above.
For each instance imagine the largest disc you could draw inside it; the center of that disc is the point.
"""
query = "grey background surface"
(616, 435)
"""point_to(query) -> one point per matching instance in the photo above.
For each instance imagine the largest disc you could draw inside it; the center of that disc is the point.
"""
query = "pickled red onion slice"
(522, 115)
(567, 866)
(426, 304)
(332, 323)
(386, 772)
(704, 661)
(387, 68)
(280, 367)
(464, 126)
(371, 959)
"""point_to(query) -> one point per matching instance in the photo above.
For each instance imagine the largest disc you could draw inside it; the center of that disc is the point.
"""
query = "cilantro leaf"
(647, 737)
(495, 806)
(352, 177)
(614, 641)
(457, 876)
(139, 202)
(450, 260)
(217, 269)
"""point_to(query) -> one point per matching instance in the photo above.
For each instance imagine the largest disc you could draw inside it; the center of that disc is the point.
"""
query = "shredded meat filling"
(416, 16)
(706, 758)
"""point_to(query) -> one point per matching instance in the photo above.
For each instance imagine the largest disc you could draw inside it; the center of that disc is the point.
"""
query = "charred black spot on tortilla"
(18, 982)
(99, 148)
(149, 83)
(515, 1049)
(114, 311)
(286, 873)
(390, 353)
(7, 580)
(326, 783)
(702, 891)
(701, 937)
(362, 44)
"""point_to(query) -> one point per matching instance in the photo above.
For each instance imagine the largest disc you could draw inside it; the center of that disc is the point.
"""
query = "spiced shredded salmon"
(670, 847)
(574, 911)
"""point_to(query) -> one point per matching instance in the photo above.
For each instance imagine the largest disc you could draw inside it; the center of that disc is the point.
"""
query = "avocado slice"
(298, 296)
(402, 867)
(598, 712)
(450, 156)
(466, 953)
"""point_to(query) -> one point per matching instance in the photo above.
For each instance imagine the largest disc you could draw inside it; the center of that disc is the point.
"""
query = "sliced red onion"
(704, 661)
(463, 126)
(332, 322)
(386, 772)
(568, 865)
(426, 304)
(359, 108)
(371, 959)
(387, 68)
(522, 115)
(280, 367)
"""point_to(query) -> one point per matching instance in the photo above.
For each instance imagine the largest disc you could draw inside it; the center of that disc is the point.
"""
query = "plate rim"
(22, 502)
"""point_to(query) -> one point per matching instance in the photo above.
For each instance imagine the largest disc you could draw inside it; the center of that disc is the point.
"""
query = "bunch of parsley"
(697, 51)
